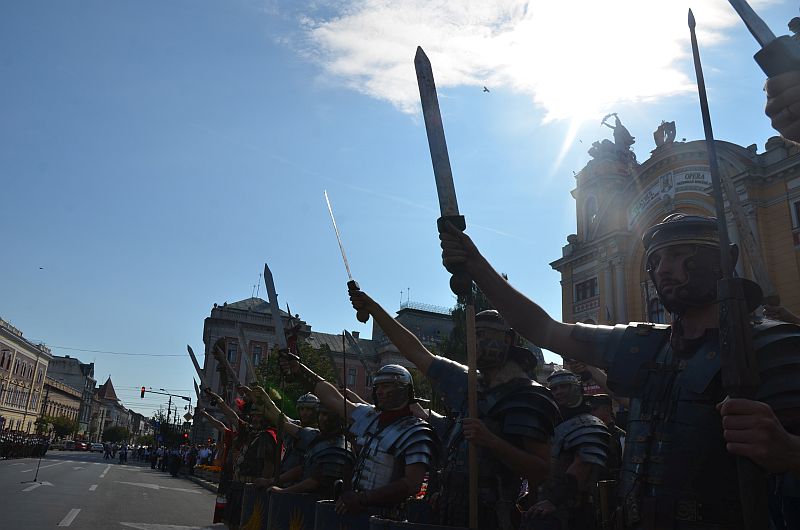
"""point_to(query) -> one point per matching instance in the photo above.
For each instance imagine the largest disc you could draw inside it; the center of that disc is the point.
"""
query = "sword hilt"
(361, 315)
(460, 281)
(780, 56)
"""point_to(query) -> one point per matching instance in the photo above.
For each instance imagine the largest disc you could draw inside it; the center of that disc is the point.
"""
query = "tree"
(269, 375)
(146, 439)
(455, 346)
(116, 433)
(62, 425)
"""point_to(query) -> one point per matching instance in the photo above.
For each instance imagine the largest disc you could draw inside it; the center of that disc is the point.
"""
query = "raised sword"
(777, 55)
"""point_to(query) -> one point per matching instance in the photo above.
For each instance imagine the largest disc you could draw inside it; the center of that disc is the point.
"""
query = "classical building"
(23, 367)
(112, 412)
(60, 399)
(603, 278)
(78, 375)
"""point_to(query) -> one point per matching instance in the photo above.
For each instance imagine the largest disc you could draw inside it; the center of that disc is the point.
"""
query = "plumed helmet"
(308, 400)
(393, 373)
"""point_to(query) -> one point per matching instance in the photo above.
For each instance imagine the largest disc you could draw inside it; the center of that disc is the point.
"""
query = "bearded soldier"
(396, 448)
(517, 417)
(579, 456)
(678, 469)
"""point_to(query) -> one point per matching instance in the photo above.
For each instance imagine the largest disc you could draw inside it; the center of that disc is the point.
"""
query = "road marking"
(67, 520)
(36, 485)
(156, 486)
(93, 487)
(42, 467)
(150, 526)
(78, 467)
(103, 474)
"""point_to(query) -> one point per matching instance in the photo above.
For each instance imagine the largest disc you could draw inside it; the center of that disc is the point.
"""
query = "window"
(586, 289)
(256, 355)
(232, 349)
(351, 377)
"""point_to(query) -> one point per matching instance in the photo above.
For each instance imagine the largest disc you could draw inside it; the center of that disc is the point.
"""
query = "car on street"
(69, 445)
(60, 445)
(96, 447)
(81, 446)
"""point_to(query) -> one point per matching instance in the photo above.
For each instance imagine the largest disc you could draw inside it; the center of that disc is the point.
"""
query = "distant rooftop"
(430, 308)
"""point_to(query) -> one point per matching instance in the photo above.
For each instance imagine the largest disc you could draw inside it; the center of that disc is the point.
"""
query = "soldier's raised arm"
(521, 313)
(328, 394)
(407, 343)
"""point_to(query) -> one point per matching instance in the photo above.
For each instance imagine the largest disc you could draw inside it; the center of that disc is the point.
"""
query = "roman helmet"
(394, 373)
(702, 268)
(308, 400)
(492, 353)
(565, 377)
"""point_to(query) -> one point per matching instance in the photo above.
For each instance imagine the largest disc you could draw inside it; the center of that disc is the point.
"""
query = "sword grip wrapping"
(779, 56)
(361, 315)
(460, 281)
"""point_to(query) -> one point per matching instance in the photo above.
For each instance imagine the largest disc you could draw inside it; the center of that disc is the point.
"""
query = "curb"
(210, 486)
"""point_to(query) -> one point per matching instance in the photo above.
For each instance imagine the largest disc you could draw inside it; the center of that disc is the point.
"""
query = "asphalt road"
(81, 491)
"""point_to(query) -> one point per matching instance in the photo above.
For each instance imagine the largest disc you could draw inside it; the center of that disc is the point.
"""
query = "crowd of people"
(18, 444)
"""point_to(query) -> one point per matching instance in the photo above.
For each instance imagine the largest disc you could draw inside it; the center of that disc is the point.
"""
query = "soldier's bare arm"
(328, 394)
(409, 345)
(521, 313)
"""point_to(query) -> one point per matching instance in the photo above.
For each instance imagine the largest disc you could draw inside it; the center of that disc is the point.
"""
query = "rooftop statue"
(665, 134)
(620, 148)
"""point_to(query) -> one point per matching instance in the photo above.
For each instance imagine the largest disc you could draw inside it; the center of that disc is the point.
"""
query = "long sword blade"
(277, 321)
(338, 236)
(758, 28)
(251, 371)
(197, 368)
(448, 205)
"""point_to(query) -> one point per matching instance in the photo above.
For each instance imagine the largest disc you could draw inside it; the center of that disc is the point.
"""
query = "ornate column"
(619, 289)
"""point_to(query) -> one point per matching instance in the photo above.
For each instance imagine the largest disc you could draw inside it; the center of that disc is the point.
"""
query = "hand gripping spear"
(460, 282)
(739, 368)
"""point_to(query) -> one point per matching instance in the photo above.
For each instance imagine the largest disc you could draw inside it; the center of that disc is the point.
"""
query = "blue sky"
(153, 155)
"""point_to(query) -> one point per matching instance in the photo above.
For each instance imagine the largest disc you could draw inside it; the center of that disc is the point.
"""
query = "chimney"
(355, 334)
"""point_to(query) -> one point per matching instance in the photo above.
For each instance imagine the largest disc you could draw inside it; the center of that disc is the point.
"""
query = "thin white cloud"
(575, 59)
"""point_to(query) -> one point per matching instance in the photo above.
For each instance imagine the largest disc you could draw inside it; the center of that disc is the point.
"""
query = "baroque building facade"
(603, 278)
(23, 368)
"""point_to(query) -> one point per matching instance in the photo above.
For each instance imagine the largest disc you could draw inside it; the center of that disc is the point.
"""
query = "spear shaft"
(739, 369)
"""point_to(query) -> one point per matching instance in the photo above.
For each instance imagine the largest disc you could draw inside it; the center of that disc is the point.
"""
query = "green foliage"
(270, 378)
(115, 434)
(146, 439)
(62, 425)
(455, 346)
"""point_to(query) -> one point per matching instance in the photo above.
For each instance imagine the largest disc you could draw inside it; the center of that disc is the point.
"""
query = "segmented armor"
(328, 458)
(516, 410)
(676, 472)
(385, 451)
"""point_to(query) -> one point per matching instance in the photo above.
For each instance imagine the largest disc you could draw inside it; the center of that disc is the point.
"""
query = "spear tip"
(692, 23)
(420, 55)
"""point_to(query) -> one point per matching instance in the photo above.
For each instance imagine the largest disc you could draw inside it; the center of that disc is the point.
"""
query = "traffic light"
(142, 392)
(185, 436)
